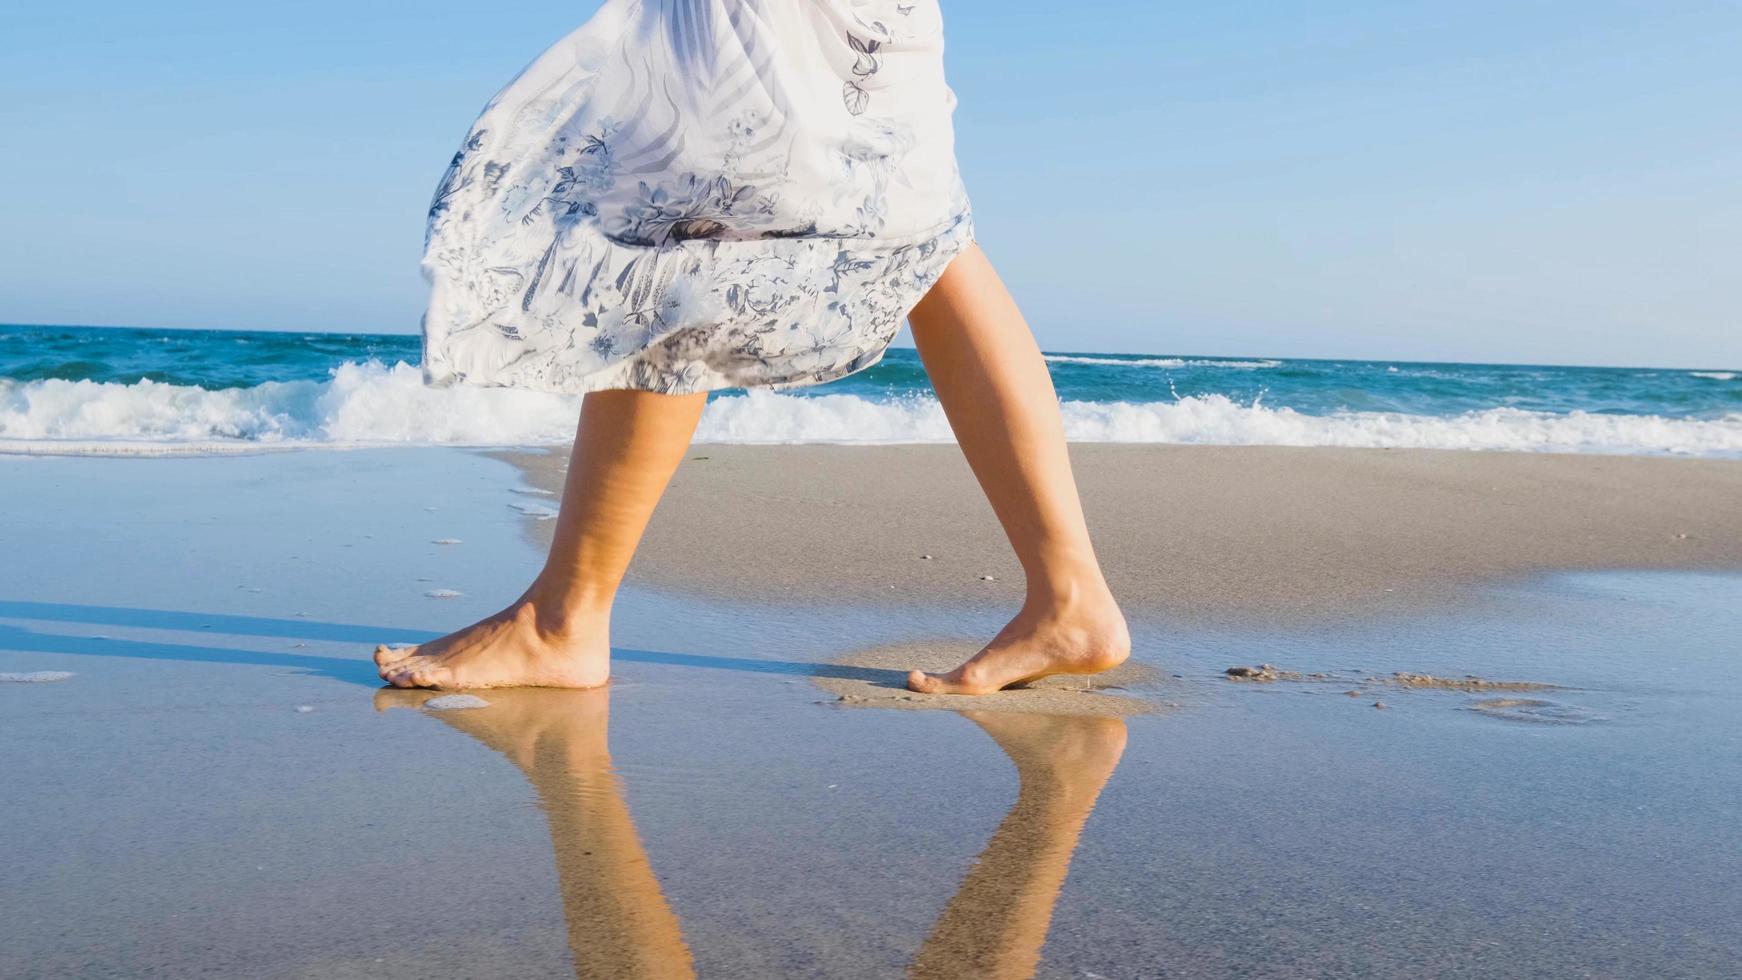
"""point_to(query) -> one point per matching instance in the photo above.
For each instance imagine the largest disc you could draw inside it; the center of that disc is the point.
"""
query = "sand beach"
(205, 777)
(1394, 349)
(1216, 533)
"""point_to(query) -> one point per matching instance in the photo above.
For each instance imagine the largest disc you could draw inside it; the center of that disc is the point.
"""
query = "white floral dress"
(686, 195)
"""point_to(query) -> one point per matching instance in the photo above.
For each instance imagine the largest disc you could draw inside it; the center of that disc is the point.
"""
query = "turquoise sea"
(128, 390)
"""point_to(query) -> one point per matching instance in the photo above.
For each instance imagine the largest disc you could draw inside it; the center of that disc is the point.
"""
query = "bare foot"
(1081, 636)
(510, 649)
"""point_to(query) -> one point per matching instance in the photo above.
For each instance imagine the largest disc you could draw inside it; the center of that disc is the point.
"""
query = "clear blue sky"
(1471, 180)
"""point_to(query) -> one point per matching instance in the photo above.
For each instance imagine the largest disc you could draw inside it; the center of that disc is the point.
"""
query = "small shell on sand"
(455, 702)
(36, 677)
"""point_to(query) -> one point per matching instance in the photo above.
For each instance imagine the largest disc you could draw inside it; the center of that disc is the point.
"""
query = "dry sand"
(1207, 532)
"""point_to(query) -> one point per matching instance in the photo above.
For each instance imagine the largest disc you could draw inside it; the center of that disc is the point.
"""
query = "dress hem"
(623, 375)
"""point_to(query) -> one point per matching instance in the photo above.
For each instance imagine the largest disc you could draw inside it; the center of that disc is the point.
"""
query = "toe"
(966, 679)
(385, 654)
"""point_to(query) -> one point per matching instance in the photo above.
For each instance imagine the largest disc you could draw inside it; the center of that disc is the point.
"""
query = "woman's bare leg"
(557, 634)
(994, 386)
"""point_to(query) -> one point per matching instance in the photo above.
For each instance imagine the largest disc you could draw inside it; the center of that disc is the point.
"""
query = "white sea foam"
(541, 512)
(362, 404)
(35, 677)
(1714, 375)
(455, 702)
(371, 405)
(1170, 362)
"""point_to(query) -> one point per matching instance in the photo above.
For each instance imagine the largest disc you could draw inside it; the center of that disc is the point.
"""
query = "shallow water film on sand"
(214, 783)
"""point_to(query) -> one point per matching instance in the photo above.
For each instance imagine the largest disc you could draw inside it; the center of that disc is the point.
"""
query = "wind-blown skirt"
(685, 195)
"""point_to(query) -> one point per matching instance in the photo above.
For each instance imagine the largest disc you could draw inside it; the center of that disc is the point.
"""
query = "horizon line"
(908, 346)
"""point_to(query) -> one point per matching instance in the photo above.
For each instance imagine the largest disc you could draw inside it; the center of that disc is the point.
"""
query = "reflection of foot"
(514, 648)
(1064, 758)
(549, 734)
(619, 923)
(997, 923)
(1085, 636)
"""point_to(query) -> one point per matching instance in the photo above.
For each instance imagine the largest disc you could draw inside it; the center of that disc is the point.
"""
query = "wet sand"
(877, 678)
(1247, 534)
(215, 785)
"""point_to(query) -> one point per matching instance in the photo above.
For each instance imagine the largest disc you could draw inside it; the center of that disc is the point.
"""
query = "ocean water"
(106, 390)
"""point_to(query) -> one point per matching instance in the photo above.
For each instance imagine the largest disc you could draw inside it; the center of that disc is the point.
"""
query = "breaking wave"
(370, 404)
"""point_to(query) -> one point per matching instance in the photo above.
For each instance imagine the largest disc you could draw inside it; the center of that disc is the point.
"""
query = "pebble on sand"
(987, 578)
(455, 702)
(1262, 672)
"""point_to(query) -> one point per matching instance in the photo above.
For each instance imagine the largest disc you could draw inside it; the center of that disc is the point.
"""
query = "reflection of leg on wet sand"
(997, 923)
(618, 920)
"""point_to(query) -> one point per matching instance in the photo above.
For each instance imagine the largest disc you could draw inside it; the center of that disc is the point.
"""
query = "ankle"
(560, 613)
(1066, 590)
(1083, 607)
